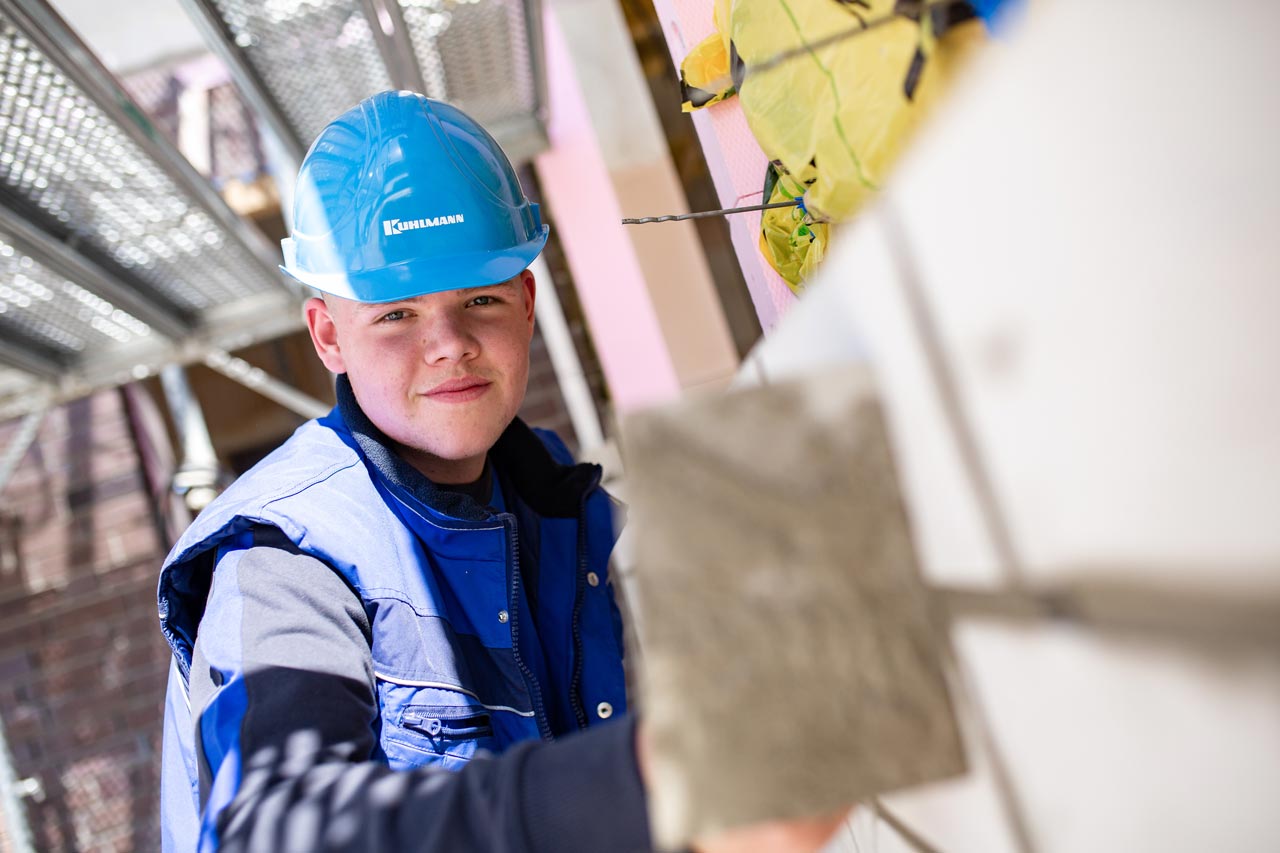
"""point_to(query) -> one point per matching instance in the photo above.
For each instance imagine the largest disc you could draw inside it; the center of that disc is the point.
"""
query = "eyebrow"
(364, 309)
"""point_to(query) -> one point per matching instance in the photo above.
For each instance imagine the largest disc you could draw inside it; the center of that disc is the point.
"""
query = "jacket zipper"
(467, 727)
(513, 606)
(575, 685)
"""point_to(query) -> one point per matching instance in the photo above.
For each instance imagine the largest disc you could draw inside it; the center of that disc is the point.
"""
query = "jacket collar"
(549, 488)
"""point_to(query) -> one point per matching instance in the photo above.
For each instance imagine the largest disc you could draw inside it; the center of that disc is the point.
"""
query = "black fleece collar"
(520, 457)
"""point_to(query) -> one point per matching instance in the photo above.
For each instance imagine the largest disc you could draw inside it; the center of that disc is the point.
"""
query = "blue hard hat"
(401, 196)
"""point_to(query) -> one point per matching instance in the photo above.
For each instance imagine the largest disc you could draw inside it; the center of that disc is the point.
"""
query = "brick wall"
(543, 404)
(82, 664)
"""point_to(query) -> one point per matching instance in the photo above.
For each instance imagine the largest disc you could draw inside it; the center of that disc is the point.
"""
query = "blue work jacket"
(488, 627)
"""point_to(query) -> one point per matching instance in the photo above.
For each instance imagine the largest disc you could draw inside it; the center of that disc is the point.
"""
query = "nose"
(448, 338)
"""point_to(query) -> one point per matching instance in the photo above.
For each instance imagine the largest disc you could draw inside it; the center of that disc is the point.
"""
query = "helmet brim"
(421, 276)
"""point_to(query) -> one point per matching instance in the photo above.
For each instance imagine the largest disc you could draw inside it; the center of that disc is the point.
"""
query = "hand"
(805, 835)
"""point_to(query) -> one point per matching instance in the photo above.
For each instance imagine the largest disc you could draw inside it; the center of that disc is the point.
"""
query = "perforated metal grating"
(317, 57)
(302, 62)
(62, 155)
(475, 54)
(41, 308)
(116, 258)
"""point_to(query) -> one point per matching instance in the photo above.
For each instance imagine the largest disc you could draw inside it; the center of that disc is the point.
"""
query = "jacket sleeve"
(284, 706)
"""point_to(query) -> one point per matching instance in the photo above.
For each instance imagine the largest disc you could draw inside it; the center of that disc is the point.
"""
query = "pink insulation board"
(610, 284)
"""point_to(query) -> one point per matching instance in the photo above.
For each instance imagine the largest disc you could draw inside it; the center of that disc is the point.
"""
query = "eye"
(483, 300)
(393, 316)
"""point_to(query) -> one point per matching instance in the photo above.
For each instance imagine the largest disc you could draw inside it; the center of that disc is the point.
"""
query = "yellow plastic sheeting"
(704, 73)
(790, 240)
(842, 107)
(838, 115)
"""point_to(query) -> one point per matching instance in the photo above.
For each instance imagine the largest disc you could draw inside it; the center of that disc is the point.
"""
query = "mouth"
(461, 390)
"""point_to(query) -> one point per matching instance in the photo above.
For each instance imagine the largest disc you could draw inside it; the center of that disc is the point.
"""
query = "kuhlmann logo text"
(399, 226)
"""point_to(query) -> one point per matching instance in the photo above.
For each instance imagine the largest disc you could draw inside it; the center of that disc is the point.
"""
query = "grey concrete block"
(789, 663)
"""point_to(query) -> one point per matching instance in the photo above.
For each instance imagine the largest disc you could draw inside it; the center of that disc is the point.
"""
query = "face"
(442, 374)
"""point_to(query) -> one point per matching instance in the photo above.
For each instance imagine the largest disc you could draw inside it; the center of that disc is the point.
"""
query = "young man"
(418, 581)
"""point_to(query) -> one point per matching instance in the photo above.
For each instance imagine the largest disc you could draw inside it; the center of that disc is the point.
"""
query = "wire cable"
(706, 214)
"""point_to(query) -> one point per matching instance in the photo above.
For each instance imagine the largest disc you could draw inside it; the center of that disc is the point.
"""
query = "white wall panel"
(1122, 746)
(1093, 221)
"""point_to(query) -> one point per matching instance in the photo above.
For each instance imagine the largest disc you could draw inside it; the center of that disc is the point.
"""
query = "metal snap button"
(503, 617)
(604, 710)
(593, 579)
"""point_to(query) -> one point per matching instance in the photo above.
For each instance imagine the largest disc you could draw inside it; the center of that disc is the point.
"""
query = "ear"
(529, 286)
(324, 334)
